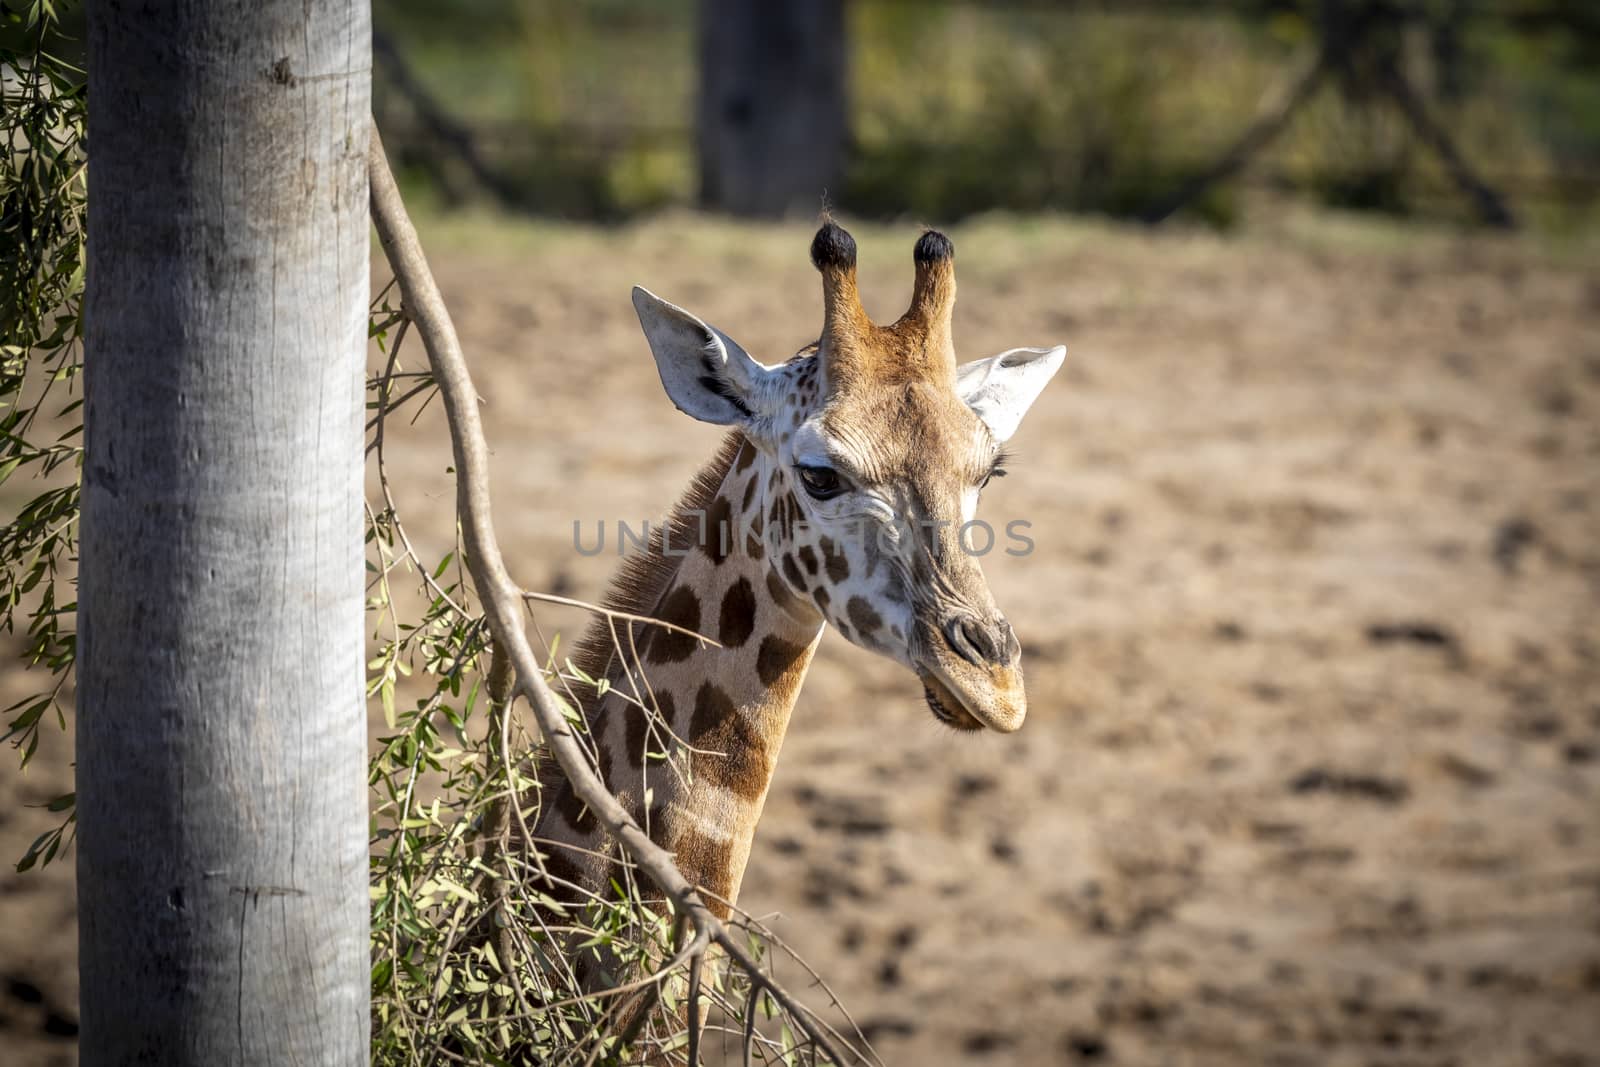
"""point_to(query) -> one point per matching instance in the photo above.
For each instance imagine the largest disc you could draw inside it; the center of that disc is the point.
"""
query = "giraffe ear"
(706, 374)
(1000, 389)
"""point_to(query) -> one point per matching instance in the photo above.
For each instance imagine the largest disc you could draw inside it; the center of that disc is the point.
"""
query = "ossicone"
(932, 247)
(933, 297)
(833, 247)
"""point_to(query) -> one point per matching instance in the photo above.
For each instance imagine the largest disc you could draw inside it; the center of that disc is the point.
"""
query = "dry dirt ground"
(1311, 773)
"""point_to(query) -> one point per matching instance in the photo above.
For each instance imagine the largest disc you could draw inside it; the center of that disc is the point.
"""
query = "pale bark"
(222, 839)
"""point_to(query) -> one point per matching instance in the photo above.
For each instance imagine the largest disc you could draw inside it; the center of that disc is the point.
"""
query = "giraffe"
(836, 499)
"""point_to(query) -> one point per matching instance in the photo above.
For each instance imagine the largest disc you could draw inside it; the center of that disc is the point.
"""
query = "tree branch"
(1260, 134)
(1491, 206)
(502, 598)
(441, 125)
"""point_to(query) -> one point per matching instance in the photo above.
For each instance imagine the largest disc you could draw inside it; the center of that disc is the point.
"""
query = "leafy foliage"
(42, 203)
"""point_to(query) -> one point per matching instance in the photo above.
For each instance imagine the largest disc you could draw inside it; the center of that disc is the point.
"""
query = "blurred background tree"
(772, 119)
(938, 109)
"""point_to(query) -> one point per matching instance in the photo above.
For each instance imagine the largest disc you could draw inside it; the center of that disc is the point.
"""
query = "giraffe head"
(875, 447)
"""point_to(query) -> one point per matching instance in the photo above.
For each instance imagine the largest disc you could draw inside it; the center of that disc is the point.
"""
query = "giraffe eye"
(997, 468)
(821, 482)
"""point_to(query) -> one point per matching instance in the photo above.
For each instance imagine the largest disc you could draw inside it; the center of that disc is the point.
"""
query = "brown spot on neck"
(707, 863)
(785, 600)
(719, 533)
(563, 874)
(733, 749)
(680, 608)
(777, 657)
(791, 571)
(737, 618)
(862, 616)
(575, 811)
(711, 707)
(637, 735)
(834, 561)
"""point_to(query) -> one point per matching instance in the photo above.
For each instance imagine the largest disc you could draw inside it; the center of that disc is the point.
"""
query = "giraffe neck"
(730, 705)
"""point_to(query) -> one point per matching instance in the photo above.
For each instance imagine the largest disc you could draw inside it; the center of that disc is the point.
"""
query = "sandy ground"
(1311, 773)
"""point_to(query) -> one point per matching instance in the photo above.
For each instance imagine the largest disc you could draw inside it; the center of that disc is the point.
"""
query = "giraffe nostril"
(969, 639)
(1013, 646)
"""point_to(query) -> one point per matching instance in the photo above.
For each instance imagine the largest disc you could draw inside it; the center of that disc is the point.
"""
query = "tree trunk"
(222, 834)
(772, 124)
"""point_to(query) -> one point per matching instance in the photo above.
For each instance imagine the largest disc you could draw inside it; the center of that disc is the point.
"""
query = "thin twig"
(497, 826)
(691, 1014)
(611, 613)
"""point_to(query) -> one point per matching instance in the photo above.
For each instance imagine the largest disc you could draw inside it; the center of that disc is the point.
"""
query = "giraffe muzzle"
(973, 676)
(970, 698)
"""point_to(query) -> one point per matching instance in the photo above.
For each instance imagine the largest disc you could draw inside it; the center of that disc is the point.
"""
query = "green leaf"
(27, 718)
(31, 857)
